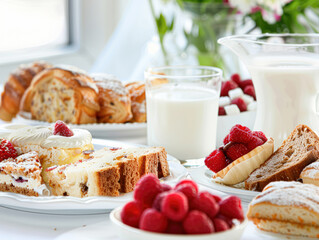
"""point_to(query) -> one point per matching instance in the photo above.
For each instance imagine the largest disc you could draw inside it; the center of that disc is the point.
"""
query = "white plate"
(98, 130)
(203, 175)
(129, 233)
(73, 205)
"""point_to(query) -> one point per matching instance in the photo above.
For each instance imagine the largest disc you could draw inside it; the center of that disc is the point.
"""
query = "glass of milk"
(182, 109)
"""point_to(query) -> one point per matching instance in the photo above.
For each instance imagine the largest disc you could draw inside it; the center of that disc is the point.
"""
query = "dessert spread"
(243, 151)
(287, 207)
(181, 209)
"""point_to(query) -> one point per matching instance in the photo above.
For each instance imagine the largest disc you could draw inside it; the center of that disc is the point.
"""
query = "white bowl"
(225, 123)
(126, 232)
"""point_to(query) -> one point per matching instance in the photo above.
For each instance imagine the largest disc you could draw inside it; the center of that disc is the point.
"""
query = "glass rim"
(249, 38)
(153, 72)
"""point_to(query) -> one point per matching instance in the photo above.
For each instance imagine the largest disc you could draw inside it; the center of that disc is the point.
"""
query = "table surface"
(17, 224)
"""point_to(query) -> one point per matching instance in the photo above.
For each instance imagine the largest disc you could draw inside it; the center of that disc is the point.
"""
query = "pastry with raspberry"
(243, 152)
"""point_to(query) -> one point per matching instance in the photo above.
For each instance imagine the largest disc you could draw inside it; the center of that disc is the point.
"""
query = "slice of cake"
(56, 145)
(150, 160)
(287, 207)
(22, 175)
(108, 172)
(299, 150)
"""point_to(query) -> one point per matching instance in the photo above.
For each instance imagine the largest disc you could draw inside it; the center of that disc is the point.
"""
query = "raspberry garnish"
(60, 128)
(147, 188)
(231, 208)
(254, 142)
(175, 206)
(261, 135)
(240, 134)
(240, 104)
(131, 214)
(220, 225)
(226, 87)
(216, 161)
(198, 222)
(188, 181)
(7, 150)
(206, 203)
(236, 150)
(236, 78)
(250, 90)
(188, 190)
(243, 84)
(153, 221)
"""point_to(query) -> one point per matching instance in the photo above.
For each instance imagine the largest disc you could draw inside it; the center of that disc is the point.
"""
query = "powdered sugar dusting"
(311, 171)
(109, 83)
(290, 194)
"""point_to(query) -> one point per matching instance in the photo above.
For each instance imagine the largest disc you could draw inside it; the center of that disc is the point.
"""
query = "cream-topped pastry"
(240, 169)
(22, 175)
(52, 149)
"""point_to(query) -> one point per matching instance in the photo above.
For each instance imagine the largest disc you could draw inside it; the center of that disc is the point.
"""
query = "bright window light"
(35, 27)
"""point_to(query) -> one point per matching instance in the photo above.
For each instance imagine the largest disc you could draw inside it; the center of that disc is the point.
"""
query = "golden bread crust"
(61, 94)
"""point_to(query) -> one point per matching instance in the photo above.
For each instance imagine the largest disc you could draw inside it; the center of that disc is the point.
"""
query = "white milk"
(286, 89)
(183, 120)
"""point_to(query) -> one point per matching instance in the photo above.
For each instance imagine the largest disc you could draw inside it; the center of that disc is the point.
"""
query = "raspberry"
(217, 198)
(220, 225)
(216, 161)
(243, 84)
(175, 206)
(206, 203)
(188, 190)
(131, 214)
(226, 87)
(250, 90)
(147, 188)
(157, 203)
(231, 207)
(226, 139)
(153, 221)
(240, 134)
(254, 142)
(188, 181)
(7, 150)
(261, 135)
(236, 78)
(228, 220)
(175, 228)
(166, 187)
(197, 222)
(60, 128)
(240, 104)
(221, 111)
(236, 150)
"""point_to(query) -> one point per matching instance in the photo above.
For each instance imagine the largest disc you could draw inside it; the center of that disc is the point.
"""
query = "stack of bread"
(49, 93)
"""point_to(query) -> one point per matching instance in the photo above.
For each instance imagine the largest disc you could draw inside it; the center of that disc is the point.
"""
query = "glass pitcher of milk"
(285, 72)
(182, 109)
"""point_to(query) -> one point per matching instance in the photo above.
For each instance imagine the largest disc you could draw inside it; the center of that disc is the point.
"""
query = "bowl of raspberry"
(161, 211)
(237, 105)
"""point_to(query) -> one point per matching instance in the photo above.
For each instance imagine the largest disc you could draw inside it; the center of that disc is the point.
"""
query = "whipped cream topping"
(43, 136)
(80, 138)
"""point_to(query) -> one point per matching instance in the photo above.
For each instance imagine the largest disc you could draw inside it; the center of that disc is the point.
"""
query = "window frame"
(74, 24)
